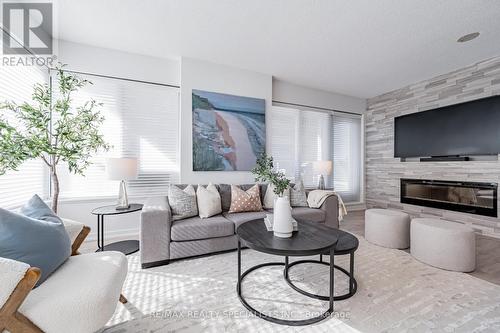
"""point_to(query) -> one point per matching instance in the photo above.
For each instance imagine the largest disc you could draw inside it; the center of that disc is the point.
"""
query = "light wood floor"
(487, 248)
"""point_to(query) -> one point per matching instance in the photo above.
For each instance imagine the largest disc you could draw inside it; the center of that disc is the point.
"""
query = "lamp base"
(122, 203)
(321, 182)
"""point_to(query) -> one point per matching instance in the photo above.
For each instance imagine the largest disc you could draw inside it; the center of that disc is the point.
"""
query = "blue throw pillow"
(40, 239)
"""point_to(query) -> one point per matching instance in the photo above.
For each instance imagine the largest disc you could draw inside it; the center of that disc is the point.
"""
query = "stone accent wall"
(383, 171)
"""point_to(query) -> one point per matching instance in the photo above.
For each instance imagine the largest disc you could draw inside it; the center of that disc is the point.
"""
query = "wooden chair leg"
(10, 318)
(79, 240)
(123, 300)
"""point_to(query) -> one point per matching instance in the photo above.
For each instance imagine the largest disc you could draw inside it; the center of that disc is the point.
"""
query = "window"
(16, 187)
(142, 121)
(347, 156)
(299, 137)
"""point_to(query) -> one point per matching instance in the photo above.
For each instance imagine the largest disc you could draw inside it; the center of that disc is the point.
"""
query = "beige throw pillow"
(245, 201)
(209, 202)
(182, 202)
(270, 196)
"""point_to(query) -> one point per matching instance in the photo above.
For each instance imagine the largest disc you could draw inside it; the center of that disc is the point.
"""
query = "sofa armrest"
(18, 279)
(331, 208)
(156, 221)
(77, 233)
(11, 273)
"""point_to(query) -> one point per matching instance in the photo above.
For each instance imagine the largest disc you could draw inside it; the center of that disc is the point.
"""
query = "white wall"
(96, 60)
(291, 93)
(203, 75)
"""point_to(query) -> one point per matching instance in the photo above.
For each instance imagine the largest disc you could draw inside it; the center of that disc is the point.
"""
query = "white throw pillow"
(209, 201)
(270, 196)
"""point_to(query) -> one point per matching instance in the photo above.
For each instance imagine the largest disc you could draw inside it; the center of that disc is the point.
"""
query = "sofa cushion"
(225, 193)
(208, 200)
(182, 202)
(298, 197)
(39, 243)
(270, 196)
(245, 201)
(308, 214)
(80, 296)
(196, 228)
(240, 218)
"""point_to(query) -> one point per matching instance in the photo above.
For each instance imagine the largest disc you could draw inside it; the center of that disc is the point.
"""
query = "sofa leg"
(123, 300)
(155, 264)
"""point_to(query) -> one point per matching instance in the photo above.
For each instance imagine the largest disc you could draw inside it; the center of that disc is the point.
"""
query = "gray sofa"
(163, 240)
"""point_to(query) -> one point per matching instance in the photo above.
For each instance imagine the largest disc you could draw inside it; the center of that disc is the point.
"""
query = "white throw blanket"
(316, 198)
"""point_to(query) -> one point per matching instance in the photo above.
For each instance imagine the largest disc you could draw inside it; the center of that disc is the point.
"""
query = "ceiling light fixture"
(468, 37)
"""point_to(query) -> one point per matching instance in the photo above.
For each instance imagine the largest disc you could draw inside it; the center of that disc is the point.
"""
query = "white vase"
(282, 218)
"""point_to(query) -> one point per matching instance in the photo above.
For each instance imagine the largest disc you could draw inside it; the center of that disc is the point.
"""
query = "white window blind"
(142, 121)
(347, 156)
(299, 137)
(16, 187)
(314, 144)
(284, 145)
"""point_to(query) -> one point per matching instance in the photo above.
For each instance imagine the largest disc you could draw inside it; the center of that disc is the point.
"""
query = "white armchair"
(80, 296)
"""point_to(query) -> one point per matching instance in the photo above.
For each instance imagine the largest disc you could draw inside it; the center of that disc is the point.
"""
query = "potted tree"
(282, 216)
(52, 130)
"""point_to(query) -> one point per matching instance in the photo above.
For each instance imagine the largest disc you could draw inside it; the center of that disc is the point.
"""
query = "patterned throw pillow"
(209, 203)
(298, 197)
(182, 202)
(245, 201)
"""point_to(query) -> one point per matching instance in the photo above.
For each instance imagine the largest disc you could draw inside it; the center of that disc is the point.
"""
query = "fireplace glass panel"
(468, 197)
(452, 194)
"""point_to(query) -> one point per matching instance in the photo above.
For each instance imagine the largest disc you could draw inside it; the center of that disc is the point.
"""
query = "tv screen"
(471, 128)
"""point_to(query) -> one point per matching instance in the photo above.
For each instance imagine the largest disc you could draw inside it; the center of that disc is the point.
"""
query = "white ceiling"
(357, 47)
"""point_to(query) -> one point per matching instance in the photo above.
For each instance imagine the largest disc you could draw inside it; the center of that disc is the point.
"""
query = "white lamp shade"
(323, 167)
(124, 168)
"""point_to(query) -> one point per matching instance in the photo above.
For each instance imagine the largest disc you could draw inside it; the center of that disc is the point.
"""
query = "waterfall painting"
(229, 132)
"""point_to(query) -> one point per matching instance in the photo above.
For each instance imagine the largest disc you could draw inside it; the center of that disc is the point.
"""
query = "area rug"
(396, 293)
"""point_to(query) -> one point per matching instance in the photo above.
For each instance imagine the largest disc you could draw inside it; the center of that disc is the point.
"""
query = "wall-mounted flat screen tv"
(466, 129)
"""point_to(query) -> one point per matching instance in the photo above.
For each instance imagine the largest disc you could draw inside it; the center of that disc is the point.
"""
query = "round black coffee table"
(126, 246)
(347, 244)
(311, 239)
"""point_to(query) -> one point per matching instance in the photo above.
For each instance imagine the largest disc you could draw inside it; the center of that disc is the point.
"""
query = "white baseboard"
(355, 206)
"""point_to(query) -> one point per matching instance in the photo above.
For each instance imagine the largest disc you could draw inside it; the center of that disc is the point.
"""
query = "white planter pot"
(282, 218)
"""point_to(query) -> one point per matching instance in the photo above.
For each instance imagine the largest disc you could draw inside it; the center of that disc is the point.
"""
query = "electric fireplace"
(466, 197)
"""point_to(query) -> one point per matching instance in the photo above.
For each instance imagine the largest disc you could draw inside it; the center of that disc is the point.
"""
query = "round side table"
(126, 246)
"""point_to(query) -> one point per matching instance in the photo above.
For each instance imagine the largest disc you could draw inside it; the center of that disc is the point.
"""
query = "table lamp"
(122, 169)
(322, 168)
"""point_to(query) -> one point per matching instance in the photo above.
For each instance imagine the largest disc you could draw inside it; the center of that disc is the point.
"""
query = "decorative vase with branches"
(265, 171)
(51, 129)
(282, 215)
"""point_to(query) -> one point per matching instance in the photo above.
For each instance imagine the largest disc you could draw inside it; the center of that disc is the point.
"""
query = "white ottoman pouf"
(387, 228)
(443, 244)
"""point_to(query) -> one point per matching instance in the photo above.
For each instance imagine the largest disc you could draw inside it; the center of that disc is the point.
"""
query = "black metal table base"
(275, 320)
(126, 247)
(353, 284)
